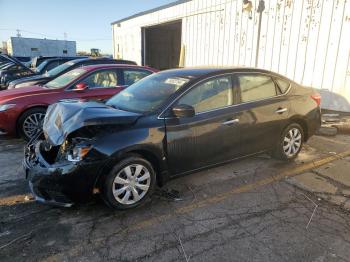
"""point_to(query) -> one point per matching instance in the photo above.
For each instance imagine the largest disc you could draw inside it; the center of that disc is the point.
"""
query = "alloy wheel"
(131, 184)
(33, 124)
(292, 142)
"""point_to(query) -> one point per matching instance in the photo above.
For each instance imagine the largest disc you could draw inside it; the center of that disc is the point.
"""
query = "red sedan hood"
(25, 91)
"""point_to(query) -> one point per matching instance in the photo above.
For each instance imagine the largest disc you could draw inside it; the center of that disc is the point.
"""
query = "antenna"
(18, 33)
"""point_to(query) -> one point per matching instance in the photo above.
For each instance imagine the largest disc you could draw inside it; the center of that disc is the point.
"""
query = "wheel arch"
(26, 110)
(303, 123)
(147, 154)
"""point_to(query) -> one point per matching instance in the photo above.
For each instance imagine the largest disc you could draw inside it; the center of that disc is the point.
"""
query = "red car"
(22, 110)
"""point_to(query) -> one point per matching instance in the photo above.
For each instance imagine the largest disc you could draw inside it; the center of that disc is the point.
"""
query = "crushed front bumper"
(60, 184)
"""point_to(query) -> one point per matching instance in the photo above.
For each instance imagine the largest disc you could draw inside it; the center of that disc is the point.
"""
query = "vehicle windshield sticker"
(176, 81)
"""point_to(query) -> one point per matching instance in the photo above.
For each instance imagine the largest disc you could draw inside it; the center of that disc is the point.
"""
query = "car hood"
(64, 118)
(29, 79)
(10, 94)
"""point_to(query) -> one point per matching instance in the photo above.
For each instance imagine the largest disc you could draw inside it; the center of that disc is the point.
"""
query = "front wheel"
(290, 143)
(130, 183)
(31, 123)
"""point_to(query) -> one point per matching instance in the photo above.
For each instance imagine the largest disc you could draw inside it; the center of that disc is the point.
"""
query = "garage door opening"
(162, 45)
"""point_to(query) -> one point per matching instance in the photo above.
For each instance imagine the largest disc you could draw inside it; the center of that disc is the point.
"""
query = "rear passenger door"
(263, 111)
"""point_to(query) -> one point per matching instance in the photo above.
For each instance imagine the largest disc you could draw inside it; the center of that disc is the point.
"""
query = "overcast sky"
(87, 22)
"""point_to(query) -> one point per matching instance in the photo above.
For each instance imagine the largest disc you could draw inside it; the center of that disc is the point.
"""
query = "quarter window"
(132, 76)
(104, 79)
(213, 94)
(256, 87)
(282, 84)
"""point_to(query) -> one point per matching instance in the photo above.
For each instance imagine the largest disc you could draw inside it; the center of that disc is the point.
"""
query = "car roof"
(198, 72)
(106, 66)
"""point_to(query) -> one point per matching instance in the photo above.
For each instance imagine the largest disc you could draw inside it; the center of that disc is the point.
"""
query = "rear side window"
(132, 76)
(282, 84)
(256, 87)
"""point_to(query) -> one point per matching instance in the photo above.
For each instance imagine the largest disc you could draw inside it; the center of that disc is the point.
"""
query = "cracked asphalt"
(242, 211)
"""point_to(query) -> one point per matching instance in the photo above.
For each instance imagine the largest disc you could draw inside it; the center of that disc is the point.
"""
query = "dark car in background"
(38, 60)
(63, 68)
(169, 124)
(26, 60)
(51, 63)
(22, 110)
(18, 70)
(10, 69)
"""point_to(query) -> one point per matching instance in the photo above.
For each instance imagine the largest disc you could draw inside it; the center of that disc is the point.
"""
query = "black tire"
(108, 183)
(279, 152)
(24, 116)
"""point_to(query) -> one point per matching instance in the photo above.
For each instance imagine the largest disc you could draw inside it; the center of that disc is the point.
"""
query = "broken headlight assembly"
(78, 153)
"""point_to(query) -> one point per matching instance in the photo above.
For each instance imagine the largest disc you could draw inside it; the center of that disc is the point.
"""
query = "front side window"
(132, 76)
(102, 79)
(256, 87)
(65, 79)
(212, 94)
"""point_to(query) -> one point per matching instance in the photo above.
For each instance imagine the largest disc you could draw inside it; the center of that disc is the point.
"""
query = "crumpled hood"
(63, 118)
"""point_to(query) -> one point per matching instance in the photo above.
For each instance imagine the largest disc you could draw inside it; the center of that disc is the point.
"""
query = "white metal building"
(306, 40)
(22, 46)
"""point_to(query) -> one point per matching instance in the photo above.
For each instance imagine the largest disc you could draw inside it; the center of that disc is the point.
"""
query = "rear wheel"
(290, 142)
(130, 183)
(31, 122)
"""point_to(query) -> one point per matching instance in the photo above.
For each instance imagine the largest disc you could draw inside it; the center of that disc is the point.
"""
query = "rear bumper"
(61, 184)
(315, 121)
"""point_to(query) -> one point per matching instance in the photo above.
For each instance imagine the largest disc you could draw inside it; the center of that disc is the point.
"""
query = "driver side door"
(212, 135)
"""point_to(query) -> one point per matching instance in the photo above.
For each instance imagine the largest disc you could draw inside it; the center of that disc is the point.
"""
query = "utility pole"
(260, 10)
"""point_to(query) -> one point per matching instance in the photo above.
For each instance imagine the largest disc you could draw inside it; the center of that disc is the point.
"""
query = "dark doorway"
(162, 45)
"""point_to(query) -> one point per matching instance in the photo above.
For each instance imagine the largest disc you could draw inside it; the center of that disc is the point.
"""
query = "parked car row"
(12, 68)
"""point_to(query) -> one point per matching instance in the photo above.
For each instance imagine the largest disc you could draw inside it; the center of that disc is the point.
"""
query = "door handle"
(230, 122)
(281, 110)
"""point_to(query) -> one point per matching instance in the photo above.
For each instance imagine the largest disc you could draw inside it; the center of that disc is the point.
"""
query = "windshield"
(147, 94)
(58, 69)
(65, 79)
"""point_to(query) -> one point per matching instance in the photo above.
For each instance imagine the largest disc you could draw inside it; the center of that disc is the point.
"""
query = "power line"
(55, 36)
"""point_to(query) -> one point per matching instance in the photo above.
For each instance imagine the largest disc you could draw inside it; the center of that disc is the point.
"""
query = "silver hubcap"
(33, 124)
(131, 184)
(292, 142)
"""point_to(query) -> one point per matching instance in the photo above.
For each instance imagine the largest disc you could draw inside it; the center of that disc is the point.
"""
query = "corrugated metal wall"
(306, 40)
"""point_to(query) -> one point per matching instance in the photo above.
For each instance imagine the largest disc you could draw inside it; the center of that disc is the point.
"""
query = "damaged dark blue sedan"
(169, 124)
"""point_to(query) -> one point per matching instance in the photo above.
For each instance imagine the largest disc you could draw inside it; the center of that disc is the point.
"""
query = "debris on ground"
(330, 182)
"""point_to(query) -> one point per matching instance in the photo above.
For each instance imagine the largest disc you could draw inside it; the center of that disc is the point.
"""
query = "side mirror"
(183, 111)
(80, 86)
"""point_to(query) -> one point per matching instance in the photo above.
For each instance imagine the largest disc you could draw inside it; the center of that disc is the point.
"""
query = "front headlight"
(6, 107)
(78, 153)
(25, 84)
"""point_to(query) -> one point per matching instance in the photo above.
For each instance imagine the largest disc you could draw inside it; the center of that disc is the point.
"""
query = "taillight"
(317, 98)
